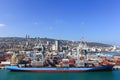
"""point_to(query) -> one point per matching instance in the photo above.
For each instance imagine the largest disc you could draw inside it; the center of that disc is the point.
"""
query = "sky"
(95, 20)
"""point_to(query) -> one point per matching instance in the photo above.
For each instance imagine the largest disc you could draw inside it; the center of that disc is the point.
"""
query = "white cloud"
(50, 28)
(35, 23)
(58, 22)
(82, 22)
(2, 25)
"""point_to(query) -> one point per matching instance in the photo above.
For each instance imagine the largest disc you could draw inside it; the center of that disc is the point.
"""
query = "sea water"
(109, 75)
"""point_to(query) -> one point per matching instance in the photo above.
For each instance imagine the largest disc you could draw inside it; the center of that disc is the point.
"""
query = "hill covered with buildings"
(20, 43)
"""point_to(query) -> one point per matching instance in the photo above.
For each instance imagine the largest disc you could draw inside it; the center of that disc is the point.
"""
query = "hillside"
(9, 41)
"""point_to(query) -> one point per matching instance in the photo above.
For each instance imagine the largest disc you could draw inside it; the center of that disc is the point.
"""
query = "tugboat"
(53, 63)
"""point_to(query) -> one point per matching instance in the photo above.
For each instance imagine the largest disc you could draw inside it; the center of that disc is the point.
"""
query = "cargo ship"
(41, 62)
(84, 69)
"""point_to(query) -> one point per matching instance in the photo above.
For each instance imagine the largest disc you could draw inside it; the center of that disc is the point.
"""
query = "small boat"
(43, 69)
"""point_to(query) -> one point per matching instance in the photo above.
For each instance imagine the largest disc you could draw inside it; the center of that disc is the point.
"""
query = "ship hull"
(102, 68)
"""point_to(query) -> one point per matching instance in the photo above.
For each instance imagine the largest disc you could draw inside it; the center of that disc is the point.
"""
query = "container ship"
(84, 69)
(39, 61)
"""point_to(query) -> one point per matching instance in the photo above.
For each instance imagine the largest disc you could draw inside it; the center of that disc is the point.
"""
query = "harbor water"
(110, 75)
